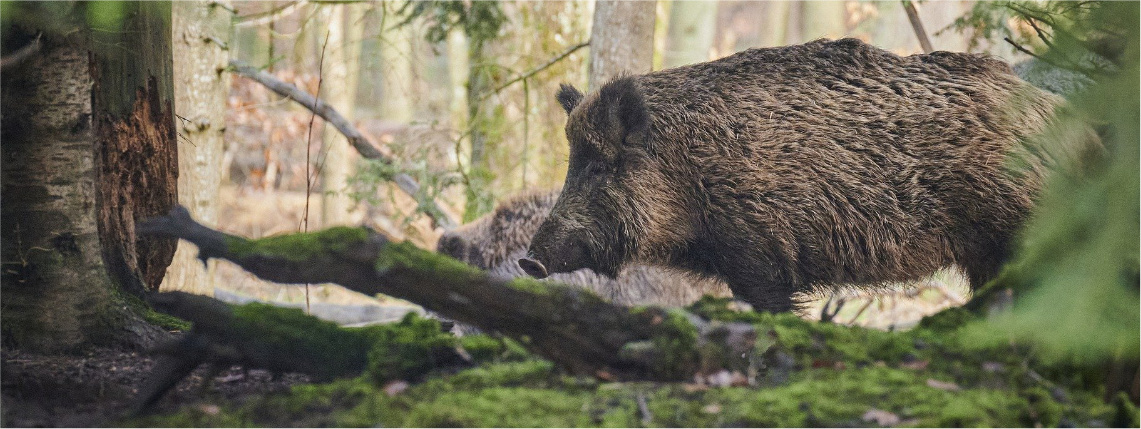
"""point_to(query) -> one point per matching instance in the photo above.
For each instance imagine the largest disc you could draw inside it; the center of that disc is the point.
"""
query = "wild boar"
(497, 240)
(792, 169)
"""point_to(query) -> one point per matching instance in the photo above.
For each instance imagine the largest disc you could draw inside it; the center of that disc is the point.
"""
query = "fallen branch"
(357, 139)
(917, 26)
(285, 340)
(570, 326)
(21, 54)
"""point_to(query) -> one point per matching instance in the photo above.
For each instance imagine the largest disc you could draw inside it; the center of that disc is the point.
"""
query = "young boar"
(788, 169)
(496, 241)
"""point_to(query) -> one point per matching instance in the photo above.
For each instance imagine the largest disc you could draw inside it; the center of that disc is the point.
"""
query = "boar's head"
(487, 242)
(621, 201)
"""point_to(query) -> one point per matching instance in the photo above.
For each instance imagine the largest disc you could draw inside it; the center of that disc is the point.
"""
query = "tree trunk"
(396, 52)
(341, 69)
(823, 19)
(89, 148)
(692, 26)
(621, 39)
(484, 120)
(202, 35)
(775, 23)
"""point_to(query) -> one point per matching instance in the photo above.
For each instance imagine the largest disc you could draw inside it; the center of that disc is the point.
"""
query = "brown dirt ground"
(95, 388)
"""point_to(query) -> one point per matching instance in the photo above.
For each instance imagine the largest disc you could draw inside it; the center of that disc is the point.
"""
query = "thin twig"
(308, 144)
(917, 25)
(21, 54)
(537, 70)
(406, 183)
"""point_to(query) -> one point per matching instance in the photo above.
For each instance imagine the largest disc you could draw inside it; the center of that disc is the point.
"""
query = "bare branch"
(21, 54)
(357, 139)
(917, 26)
(266, 17)
(538, 69)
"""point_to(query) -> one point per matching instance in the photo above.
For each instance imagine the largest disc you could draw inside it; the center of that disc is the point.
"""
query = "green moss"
(483, 348)
(409, 349)
(947, 320)
(925, 377)
(298, 246)
(321, 346)
(153, 317)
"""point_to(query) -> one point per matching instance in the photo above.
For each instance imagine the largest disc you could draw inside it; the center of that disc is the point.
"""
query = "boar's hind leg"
(765, 297)
(983, 265)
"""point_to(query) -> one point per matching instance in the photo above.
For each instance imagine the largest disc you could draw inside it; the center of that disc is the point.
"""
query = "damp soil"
(96, 388)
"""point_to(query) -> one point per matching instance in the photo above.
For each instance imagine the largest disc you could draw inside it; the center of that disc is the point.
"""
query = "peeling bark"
(136, 158)
(57, 291)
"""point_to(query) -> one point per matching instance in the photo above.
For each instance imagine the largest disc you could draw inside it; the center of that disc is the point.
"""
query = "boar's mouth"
(533, 268)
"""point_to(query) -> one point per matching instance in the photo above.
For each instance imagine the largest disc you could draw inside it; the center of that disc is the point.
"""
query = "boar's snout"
(555, 253)
(533, 267)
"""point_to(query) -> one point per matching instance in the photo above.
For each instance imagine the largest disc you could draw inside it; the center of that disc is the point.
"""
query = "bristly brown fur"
(787, 169)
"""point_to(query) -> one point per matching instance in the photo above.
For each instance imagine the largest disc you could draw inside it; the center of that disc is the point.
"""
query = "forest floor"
(806, 374)
(96, 388)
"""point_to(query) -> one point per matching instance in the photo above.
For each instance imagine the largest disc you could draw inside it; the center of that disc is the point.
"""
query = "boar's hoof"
(533, 268)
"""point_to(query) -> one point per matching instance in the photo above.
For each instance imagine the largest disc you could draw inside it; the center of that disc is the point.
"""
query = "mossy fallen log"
(287, 340)
(575, 329)
(802, 374)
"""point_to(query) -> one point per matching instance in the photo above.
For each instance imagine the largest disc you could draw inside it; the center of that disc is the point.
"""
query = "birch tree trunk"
(823, 19)
(202, 35)
(621, 39)
(89, 149)
(692, 26)
(341, 69)
(775, 23)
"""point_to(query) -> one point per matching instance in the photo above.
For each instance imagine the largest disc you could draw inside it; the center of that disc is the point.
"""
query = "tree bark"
(202, 35)
(621, 39)
(692, 27)
(342, 69)
(823, 19)
(136, 159)
(775, 23)
(88, 147)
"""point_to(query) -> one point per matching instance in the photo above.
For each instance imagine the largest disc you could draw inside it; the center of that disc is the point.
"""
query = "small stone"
(881, 417)
(394, 388)
(943, 385)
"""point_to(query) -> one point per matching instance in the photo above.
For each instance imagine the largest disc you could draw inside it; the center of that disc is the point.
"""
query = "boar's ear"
(626, 110)
(568, 97)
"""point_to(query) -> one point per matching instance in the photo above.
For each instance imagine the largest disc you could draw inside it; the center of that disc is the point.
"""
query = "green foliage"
(479, 20)
(1076, 271)
(371, 174)
(1081, 36)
